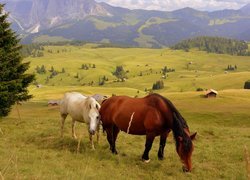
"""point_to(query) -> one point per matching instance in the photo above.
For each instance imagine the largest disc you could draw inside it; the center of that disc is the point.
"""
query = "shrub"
(199, 89)
(158, 85)
(247, 85)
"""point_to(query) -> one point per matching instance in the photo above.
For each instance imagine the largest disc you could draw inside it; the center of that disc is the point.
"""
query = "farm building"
(53, 102)
(211, 93)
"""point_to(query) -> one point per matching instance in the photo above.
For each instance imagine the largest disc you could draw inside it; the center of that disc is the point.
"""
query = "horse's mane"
(179, 123)
(88, 102)
(104, 100)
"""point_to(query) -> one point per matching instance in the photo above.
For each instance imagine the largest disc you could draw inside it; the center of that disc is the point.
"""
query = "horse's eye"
(89, 106)
(97, 107)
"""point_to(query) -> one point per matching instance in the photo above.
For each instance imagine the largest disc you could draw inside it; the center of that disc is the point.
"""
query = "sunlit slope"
(193, 69)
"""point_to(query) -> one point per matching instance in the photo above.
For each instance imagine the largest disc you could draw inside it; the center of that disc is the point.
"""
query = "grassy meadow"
(30, 143)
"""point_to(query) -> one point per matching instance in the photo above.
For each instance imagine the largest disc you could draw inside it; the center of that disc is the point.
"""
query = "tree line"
(217, 45)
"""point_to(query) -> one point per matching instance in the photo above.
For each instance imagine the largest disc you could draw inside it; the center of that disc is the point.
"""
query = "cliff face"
(43, 14)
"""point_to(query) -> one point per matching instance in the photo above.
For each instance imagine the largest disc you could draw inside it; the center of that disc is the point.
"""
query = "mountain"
(88, 20)
(38, 15)
(246, 9)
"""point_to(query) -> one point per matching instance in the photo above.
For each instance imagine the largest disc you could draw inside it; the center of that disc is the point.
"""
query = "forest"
(217, 45)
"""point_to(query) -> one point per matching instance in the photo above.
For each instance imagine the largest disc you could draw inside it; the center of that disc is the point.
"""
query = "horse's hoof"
(160, 158)
(184, 169)
(115, 152)
(146, 161)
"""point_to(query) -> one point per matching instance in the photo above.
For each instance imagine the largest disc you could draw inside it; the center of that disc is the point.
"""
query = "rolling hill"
(193, 69)
(87, 20)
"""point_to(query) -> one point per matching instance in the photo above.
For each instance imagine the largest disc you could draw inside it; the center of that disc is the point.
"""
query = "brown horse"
(152, 116)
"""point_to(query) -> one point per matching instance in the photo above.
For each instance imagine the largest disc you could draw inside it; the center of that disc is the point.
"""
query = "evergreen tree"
(120, 73)
(43, 69)
(158, 85)
(52, 69)
(13, 80)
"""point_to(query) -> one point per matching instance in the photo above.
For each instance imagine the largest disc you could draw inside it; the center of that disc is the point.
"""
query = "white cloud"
(169, 5)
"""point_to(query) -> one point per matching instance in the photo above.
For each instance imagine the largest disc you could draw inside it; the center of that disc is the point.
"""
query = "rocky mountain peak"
(36, 15)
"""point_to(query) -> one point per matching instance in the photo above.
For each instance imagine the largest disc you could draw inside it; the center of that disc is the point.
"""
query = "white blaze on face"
(94, 116)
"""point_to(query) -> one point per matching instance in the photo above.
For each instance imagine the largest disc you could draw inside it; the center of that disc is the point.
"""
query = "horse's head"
(93, 114)
(185, 148)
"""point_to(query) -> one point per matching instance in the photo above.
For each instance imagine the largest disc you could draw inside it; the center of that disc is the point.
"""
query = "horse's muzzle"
(184, 169)
(92, 132)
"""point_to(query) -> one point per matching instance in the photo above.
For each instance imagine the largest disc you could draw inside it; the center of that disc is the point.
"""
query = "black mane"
(179, 123)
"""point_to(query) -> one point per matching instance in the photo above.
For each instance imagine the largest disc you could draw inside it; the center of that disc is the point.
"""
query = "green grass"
(206, 71)
(46, 39)
(31, 147)
(102, 25)
(147, 40)
(214, 22)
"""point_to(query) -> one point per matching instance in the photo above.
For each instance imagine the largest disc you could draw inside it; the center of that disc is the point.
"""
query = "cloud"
(169, 5)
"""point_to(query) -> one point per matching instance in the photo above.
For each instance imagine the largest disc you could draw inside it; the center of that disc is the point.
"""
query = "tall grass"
(33, 149)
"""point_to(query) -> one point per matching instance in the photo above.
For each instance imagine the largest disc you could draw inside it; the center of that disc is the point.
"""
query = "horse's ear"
(98, 106)
(88, 103)
(193, 136)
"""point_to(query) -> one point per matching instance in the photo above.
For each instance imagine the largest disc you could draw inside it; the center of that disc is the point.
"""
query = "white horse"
(82, 109)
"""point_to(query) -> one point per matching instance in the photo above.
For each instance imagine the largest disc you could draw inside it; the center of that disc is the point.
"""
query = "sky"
(169, 5)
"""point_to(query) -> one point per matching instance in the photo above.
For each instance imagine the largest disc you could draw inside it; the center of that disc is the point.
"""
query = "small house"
(211, 93)
(53, 102)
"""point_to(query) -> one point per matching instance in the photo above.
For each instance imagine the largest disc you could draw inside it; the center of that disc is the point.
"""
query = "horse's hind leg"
(163, 139)
(112, 133)
(63, 117)
(73, 129)
(149, 141)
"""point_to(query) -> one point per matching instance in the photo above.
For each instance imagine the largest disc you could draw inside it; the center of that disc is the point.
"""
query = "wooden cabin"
(211, 93)
(53, 102)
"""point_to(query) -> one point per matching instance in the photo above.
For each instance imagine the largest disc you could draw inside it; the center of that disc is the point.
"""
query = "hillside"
(87, 20)
(193, 69)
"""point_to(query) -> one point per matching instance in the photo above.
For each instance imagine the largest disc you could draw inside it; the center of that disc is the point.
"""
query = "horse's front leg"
(91, 141)
(163, 139)
(73, 129)
(97, 133)
(149, 141)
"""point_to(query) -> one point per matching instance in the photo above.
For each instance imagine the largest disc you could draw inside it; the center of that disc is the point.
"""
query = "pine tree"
(13, 80)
